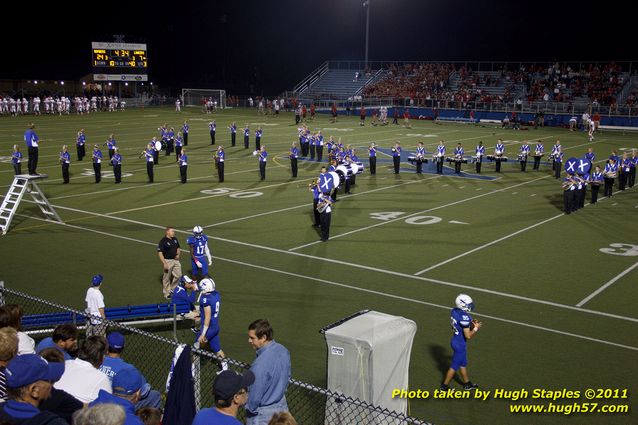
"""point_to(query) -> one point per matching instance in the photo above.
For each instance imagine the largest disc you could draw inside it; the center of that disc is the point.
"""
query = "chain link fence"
(152, 355)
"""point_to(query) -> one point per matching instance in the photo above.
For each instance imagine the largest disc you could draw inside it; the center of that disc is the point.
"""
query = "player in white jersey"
(122, 105)
(178, 106)
(25, 106)
(36, 105)
(592, 129)
(585, 121)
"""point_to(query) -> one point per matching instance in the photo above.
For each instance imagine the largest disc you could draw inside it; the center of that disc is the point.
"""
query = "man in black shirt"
(168, 252)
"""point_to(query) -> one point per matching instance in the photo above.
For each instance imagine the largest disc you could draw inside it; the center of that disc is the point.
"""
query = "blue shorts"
(459, 356)
(212, 335)
(204, 269)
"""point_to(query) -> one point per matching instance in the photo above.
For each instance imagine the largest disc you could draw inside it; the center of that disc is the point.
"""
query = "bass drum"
(158, 146)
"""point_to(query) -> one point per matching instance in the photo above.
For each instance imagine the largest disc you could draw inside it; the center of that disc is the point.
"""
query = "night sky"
(265, 47)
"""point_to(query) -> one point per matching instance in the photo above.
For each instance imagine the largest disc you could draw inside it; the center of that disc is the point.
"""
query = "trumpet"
(312, 184)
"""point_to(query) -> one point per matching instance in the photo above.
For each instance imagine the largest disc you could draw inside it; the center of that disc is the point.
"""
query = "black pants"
(304, 149)
(155, 157)
(185, 139)
(622, 180)
(220, 171)
(246, 142)
(478, 166)
(212, 137)
(324, 222)
(439, 165)
(233, 137)
(33, 160)
(149, 170)
(170, 147)
(333, 194)
(17, 168)
(182, 172)
(373, 165)
(581, 194)
(523, 165)
(419, 166)
(319, 153)
(457, 167)
(262, 170)
(631, 178)
(81, 150)
(537, 162)
(568, 201)
(297, 118)
(257, 143)
(293, 166)
(317, 214)
(312, 152)
(609, 186)
(178, 152)
(346, 189)
(594, 193)
(498, 165)
(557, 167)
(117, 173)
(97, 170)
(397, 161)
(65, 172)
(111, 153)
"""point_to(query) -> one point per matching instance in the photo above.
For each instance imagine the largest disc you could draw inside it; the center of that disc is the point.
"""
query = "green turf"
(525, 286)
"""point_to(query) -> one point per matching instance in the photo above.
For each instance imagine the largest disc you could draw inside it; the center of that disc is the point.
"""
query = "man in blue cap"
(127, 387)
(231, 392)
(29, 381)
(113, 364)
(95, 308)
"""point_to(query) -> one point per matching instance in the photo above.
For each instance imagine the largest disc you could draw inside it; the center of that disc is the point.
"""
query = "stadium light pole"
(366, 4)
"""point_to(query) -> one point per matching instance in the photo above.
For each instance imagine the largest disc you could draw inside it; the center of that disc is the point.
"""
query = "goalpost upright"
(193, 97)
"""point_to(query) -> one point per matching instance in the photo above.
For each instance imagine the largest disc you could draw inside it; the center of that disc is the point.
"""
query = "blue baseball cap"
(228, 383)
(116, 340)
(26, 369)
(97, 279)
(127, 381)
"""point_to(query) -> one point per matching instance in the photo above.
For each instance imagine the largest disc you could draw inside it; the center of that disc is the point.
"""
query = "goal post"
(194, 97)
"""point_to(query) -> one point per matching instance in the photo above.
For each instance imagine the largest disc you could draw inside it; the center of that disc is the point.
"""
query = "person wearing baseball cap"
(127, 388)
(180, 296)
(29, 381)
(95, 308)
(231, 392)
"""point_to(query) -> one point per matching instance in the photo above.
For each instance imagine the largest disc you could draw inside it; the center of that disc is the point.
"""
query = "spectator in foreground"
(11, 315)
(231, 392)
(127, 386)
(64, 339)
(60, 402)
(282, 418)
(102, 414)
(8, 350)
(150, 415)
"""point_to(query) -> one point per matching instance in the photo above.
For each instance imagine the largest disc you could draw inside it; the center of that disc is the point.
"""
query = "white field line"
(369, 291)
(605, 286)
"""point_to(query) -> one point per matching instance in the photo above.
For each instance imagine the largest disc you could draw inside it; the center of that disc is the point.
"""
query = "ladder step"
(48, 212)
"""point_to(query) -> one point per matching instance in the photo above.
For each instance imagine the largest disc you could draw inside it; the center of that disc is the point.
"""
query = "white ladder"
(24, 183)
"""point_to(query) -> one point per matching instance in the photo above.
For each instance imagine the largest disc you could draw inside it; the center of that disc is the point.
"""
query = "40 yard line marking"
(370, 291)
(605, 286)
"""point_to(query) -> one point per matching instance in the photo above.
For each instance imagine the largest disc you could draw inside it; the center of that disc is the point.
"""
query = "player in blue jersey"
(464, 328)
(200, 254)
(209, 305)
(180, 296)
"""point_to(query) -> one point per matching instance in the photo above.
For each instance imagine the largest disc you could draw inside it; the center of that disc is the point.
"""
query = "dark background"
(265, 47)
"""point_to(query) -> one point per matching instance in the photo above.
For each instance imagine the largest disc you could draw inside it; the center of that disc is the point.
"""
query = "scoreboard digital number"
(119, 55)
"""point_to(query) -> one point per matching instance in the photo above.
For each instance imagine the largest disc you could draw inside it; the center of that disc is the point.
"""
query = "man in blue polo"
(32, 141)
(127, 387)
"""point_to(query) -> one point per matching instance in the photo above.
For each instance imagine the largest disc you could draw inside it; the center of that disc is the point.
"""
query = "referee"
(168, 252)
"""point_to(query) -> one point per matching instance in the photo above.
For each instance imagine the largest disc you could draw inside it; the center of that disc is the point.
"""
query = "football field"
(555, 292)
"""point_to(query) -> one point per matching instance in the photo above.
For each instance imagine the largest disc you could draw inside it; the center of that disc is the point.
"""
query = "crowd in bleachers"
(410, 80)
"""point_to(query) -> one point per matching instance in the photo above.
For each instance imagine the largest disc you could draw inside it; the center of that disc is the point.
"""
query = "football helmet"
(464, 302)
(207, 285)
(198, 231)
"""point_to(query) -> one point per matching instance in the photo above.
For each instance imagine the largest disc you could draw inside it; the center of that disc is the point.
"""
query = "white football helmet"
(198, 231)
(207, 285)
(464, 302)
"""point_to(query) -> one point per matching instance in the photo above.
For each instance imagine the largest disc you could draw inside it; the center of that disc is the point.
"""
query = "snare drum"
(158, 146)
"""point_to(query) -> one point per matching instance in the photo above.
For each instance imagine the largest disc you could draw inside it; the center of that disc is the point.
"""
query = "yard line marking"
(605, 286)
(370, 291)
(420, 212)
(478, 248)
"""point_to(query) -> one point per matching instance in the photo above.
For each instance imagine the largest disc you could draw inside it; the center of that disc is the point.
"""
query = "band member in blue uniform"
(523, 154)
(258, 134)
(233, 133)
(439, 157)
(212, 128)
(80, 145)
(479, 151)
(170, 142)
(183, 165)
(179, 144)
(156, 150)
(569, 193)
(220, 158)
(464, 328)
(311, 145)
(148, 157)
(246, 137)
(116, 162)
(420, 156)
(97, 163)
(595, 180)
(458, 156)
(65, 160)
(539, 150)
(201, 257)
(293, 155)
(591, 157)
(324, 205)
(558, 163)
(16, 160)
(623, 171)
(319, 146)
(263, 155)
(396, 157)
(372, 157)
(581, 190)
(499, 151)
(632, 169)
(110, 145)
(209, 309)
(33, 142)
(610, 173)
(314, 188)
(185, 129)
(556, 149)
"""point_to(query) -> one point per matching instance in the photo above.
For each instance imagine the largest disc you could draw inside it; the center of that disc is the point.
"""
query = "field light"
(84, 83)
(35, 82)
(109, 84)
(126, 84)
(62, 82)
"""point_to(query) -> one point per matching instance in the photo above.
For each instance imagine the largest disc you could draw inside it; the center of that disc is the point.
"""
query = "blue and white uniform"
(201, 252)
(460, 320)
(213, 301)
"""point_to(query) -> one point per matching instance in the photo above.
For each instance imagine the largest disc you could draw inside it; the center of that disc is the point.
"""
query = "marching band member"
(556, 149)
(596, 179)
(372, 157)
(569, 194)
(212, 129)
(185, 129)
(170, 141)
(312, 145)
(110, 145)
(480, 153)
(558, 163)
(156, 144)
(623, 168)
(420, 155)
(148, 154)
(65, 160)
(262, 162)
(183, 165)
(233, 133)
(539, 149)
(293, 155)
(333, 167)
(97, 163)
(16, 160)
(396, 157)
(590, 156)
(581, 190)
(458, 156)
(319, 145)
(325, 210)
(524, 152)
(179, 144)
(80, 142)
(610, 173)
(247, 137)
(258, 134)
(499, 150)
(220, 158)
(632, 169)
(116, 162)
(439, 156)
(314, 188)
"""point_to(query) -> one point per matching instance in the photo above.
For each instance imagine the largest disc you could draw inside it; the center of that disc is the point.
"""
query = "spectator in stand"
(60, 402)
(150, 415)
(64, 339)
(127, 387)
(11, 315)
(8, 350)
(231, 393)
(102, 414)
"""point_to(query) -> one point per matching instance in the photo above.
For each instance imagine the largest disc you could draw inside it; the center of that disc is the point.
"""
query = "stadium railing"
(152, 355)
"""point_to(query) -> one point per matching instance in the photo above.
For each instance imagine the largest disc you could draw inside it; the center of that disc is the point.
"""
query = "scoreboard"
(119, 61)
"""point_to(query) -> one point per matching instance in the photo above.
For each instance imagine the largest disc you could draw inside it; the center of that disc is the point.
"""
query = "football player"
(209, 306)
(200, 254)
(463, 328)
